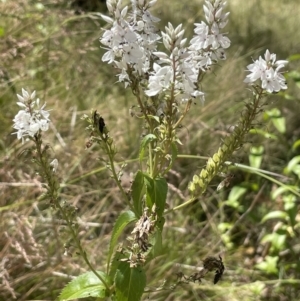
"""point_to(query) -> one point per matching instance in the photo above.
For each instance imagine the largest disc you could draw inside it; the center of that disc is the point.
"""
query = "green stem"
(53, 188)
(191, 200)
(79, 246)
(110, 153)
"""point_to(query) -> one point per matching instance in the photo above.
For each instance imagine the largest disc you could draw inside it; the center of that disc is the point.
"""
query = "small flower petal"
(54, 164)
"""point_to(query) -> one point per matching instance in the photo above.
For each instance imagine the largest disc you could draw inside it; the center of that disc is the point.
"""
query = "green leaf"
(138, 191)
(290, 207)
(146, 140)
(293, 166)
(256, 288)
(263, 133)
(234, 195)
(156, 193)
(156, 240)
(289, 96)
(223, 227)
(85, 285)
(269, 265)
(115, 262)
(296, 144)
(276, 118)
(277, 240)
(290, 202)
(130, 282)
(275, 214)
(295, 75)
(282, 190)
(279, 123)
(294, 57)
(256, 156)
(161, 189)
(150, 196)
(123, 220)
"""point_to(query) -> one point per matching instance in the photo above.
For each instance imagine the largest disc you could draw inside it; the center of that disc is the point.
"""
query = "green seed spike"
(230, 144)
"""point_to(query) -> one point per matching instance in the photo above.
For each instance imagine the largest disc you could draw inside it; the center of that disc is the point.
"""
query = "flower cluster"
(132, 41)
(207, 46)
(174, 73)
(131, 38)
(31, 119)
(263, 69)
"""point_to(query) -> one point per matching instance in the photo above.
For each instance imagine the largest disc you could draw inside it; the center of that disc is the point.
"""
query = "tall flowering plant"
(164, 72)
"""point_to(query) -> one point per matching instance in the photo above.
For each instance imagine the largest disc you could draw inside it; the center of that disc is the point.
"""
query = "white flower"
(208, 44)
(274, 81)
(147, 17)
(54, 164)
(31, 118)
(131, 45)
(202, 39)
(263, 69)
(132, 53)
(160, 80)
(257, 69)
(131, 39)
(218, 39)
(25, 97)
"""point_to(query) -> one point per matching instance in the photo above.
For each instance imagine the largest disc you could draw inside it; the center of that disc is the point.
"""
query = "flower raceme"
(32, 118)
(272, 79)
(131, 44)
(132, 39)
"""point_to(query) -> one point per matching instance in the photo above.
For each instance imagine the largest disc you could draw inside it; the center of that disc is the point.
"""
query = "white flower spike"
(272, 79)
(31, 118)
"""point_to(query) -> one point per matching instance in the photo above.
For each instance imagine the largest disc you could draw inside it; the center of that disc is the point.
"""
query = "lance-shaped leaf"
(123, 220)
(156, 241)
(156, 193)
(130, 282)
(85, 285)
(138, 191)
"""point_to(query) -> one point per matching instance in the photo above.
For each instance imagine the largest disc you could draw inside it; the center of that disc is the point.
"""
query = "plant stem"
(52, 191)
(78, 244)
(110, 154)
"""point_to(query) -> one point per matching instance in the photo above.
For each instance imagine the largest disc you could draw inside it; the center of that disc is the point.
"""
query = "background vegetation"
(53, 47)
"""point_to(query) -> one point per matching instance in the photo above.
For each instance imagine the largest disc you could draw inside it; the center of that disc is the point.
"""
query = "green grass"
(50, 49)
